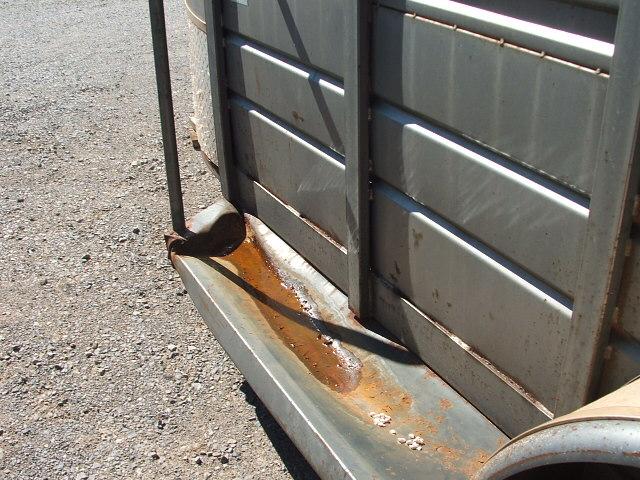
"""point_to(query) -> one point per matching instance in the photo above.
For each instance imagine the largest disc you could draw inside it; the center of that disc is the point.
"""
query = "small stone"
(419, 448)
(412, 436)
(198, 460)
(402, 440)
(136, 230)
(171, 347)
(392, 431)
(154, 456)
(419, 440)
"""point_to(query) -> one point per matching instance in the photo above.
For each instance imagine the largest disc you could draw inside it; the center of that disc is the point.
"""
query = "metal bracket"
(356, 82)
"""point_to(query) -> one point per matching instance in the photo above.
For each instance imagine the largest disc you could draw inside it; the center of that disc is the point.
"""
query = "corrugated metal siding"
(533, 110)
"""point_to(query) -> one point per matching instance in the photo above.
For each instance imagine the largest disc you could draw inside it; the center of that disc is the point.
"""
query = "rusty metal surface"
(216, 230)
(321, 373)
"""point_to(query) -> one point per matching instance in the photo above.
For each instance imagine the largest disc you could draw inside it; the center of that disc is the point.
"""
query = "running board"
(322, 374)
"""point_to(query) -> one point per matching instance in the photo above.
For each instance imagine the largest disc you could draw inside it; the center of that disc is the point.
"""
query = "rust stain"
(364, 388)
(475, 463)
(417, 238)
(297, 116)
(283, 311)
(379, 395)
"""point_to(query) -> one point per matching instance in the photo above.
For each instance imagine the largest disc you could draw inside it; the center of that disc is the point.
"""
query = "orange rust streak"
(294, 327)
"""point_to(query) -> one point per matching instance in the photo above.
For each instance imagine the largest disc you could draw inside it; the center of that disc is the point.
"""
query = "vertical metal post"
(219, 99)
(356, 83)
(165, 100)
(615, 186)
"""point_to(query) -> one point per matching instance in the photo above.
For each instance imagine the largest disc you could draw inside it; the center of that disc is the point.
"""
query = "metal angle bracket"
(357, 162)
(219, 99)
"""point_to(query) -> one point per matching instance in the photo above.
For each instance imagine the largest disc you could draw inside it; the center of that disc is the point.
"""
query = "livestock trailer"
(427, 259)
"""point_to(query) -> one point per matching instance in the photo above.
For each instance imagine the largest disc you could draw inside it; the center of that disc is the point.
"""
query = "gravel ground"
(106, 368)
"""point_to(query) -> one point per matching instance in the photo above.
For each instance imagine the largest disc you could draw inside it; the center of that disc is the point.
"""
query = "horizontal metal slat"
(313, 102)
(308, 178)
(464, 371)
(536, 223)
(517, 323)
(579, 49)
(543, 113)
(309, 31)
(327, 256)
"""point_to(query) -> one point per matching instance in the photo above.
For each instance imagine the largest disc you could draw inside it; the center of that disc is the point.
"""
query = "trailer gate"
(464, 172)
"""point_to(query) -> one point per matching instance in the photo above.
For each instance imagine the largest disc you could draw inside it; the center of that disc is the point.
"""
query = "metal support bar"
(219, 100)
(615, 186)
(165, 100)
(356, 81)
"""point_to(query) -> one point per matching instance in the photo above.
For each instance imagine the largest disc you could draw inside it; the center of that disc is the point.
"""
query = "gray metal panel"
(524, 216)
(558, 29)
(310, 31)
(629, 300)
(538, 111)
(296, 171)
(500, 401)
(502, 313)
(617, 173)
(312, 102)
(327, 256)
(622, 363)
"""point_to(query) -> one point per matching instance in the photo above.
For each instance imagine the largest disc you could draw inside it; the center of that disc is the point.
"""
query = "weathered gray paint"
(497, 309)
(617, 172)
(621, 364)
(219, 99)
(491, 140)
(339, 440)
(534, 110)
(306, 99)
(294, 27)
(297, 171)
(580, 35)
(525, 217)
(357, 163)
(461, 368)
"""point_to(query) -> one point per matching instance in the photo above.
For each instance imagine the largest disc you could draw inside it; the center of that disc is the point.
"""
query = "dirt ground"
(106, 368)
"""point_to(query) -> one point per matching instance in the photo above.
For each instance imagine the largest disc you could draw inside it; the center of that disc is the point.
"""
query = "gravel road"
(106, 368)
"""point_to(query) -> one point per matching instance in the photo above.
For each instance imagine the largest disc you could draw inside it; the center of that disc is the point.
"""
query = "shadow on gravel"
(296, 464)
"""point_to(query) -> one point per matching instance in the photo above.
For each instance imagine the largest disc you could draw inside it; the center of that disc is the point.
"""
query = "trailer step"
(322, 374)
